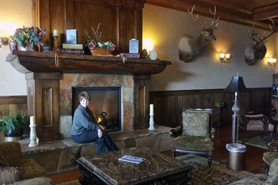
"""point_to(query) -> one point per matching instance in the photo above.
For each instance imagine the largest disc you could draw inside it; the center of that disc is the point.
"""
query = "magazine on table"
(131, 159)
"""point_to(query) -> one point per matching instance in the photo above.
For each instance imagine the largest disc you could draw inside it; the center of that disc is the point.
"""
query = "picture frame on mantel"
(71, 36)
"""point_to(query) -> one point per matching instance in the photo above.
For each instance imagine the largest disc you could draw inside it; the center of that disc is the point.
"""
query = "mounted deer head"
(257, 50)
(189, 46)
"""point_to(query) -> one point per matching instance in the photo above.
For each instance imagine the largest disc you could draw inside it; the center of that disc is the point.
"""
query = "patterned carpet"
(258, 141)
(201, 174)
(218, 174)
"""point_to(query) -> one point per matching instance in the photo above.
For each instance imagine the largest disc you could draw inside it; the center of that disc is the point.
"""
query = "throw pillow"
(3, 162)
(9, 175)
(272, 178)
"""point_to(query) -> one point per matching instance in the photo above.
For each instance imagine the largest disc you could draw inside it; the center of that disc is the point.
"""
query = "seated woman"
(85, 128)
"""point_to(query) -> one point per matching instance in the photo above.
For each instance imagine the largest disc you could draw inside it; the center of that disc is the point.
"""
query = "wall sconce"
(271, 61)
(225, 57)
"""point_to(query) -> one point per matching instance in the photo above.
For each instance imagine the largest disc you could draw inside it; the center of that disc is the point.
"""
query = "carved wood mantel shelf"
(70, 63)
(43, 84)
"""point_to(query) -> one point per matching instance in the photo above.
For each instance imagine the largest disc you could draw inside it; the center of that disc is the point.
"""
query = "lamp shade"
(236, 85)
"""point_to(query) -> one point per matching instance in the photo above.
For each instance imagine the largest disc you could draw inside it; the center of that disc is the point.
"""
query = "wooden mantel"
(70, 63)
(43, 84)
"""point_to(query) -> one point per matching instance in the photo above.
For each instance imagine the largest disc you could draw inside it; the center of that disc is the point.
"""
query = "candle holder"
(151, 122)
(34, 140)
(55, 45)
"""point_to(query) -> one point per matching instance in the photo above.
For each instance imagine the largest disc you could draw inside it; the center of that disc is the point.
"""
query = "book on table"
(73, 51)
(72, 46)
(131, 159)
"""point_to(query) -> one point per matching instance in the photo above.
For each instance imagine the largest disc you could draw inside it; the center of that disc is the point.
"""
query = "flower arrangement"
(25, 35)
(97, 43)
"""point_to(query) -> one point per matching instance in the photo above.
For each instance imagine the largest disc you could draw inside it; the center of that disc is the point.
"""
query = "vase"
(100, 51)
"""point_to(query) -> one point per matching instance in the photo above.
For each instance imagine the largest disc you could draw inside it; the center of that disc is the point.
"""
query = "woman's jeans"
(92, 136)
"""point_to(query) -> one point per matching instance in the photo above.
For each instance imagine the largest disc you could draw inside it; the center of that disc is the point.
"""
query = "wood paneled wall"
(121, 20)
(168, 105)
(13, 105)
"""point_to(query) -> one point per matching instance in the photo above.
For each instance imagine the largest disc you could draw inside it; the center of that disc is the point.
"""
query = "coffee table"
(156, 169)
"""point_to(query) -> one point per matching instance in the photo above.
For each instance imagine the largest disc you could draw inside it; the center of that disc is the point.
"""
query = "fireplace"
(105, 104)
(120, 87)
(50, 87)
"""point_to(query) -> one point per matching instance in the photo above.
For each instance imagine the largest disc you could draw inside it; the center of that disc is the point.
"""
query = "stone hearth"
(95, 80)
(61, 155)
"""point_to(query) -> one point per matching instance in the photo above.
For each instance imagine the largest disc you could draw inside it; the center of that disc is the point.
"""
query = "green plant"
(9, 124)
(32, 35)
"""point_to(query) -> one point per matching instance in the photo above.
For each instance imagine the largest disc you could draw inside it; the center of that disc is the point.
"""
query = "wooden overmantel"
(70, 63)
(43, 73)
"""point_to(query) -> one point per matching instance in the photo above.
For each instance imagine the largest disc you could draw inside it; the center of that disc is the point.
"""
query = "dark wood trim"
(68, 63)
(168, 105)
(266, 12)
(13, 100)
(224, 11)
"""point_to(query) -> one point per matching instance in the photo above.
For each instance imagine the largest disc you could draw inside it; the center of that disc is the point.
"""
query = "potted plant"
(14, 125)
(28, 37)
(96, 46)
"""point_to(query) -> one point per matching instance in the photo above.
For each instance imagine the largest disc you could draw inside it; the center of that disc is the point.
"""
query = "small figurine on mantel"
(153, 54)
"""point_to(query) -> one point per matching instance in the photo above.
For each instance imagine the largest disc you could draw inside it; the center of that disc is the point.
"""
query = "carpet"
(201, 174)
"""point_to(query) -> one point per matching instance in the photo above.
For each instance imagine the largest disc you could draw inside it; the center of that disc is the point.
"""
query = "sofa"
(262, 179)
(16, 170)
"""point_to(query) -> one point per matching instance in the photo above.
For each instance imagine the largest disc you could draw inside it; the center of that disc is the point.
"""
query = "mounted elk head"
(257, 50)
(189, 46)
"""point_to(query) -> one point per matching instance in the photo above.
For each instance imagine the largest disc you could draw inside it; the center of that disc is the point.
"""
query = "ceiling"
(244, 12)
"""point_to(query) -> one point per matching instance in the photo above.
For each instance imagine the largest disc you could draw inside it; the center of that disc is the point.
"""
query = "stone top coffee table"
(157, 168)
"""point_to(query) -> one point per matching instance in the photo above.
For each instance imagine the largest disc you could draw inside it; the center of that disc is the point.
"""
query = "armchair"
(197, 133)
(268, 158)
(14, 168)
(262, 179)
(254, 123)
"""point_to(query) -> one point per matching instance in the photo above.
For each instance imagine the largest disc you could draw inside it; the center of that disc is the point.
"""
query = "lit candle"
(55, 33)
(151, 108)
(32, 121)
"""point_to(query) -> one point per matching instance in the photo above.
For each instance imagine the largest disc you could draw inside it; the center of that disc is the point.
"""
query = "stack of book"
(131, 55)
(73, 48)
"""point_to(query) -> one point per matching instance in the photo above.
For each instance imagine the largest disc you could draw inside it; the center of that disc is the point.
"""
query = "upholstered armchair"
(13, 168)
(254, 123)
(268, 158)
(262, 179)
(195, 134)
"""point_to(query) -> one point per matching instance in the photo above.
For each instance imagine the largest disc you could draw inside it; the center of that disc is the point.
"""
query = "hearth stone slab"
(60, 155)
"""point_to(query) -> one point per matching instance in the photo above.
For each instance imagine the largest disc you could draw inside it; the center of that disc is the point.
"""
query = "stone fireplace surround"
(69, 80)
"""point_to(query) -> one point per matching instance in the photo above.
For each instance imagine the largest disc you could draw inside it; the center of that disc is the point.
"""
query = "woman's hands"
(99, 133)
(101, 127)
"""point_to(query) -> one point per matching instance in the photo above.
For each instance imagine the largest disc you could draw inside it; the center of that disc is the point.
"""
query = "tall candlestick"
(32, 120)
(151, 108)
(55, 32)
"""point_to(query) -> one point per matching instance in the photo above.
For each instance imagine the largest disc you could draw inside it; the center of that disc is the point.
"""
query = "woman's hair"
(84, 95)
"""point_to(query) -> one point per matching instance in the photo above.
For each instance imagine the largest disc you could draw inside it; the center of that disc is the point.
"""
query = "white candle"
(151, 108)
(32, 121)
(55, 32)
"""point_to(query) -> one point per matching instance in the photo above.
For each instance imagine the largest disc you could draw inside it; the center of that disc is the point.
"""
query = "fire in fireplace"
(105, 104)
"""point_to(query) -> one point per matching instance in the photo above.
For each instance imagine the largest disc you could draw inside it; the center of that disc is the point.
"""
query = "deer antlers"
(252, 34)
(214, 22)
